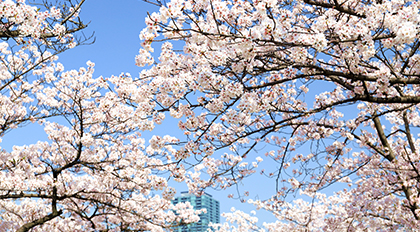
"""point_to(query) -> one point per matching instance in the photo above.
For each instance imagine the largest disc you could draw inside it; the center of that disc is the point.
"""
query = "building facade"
(206, 201)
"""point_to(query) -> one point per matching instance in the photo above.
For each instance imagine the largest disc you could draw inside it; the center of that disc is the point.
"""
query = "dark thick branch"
(75, 9)
(40, 221)
(35, 195)
(338, 7)
(389, 155)
(408, 133)
(336, 76)
(389, 100)
(16, 33)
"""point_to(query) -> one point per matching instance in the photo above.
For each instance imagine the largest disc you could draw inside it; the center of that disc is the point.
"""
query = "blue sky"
(116, 25)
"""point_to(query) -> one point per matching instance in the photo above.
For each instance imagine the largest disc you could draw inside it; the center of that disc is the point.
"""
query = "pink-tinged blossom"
(328, 90)
(96, 158)
(286, 77)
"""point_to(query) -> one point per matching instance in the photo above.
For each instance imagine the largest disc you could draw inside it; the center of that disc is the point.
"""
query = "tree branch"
(40, 221)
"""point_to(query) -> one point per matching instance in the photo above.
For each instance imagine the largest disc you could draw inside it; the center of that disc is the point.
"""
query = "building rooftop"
(186, 193)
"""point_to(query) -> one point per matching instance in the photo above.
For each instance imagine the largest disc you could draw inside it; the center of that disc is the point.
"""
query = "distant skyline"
(205, 201)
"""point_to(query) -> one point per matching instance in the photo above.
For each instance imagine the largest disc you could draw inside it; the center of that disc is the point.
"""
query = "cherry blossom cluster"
(23, 21)
(326, 91)
(330, 88)
(95, 171)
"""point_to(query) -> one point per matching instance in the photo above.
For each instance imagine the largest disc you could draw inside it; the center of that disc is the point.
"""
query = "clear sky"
(116, 26)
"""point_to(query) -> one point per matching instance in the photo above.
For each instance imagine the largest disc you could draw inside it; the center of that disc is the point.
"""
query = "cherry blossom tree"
(328, 89)
(94, 172)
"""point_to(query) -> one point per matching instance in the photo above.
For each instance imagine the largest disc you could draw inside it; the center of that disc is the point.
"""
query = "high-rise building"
(205, 201)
